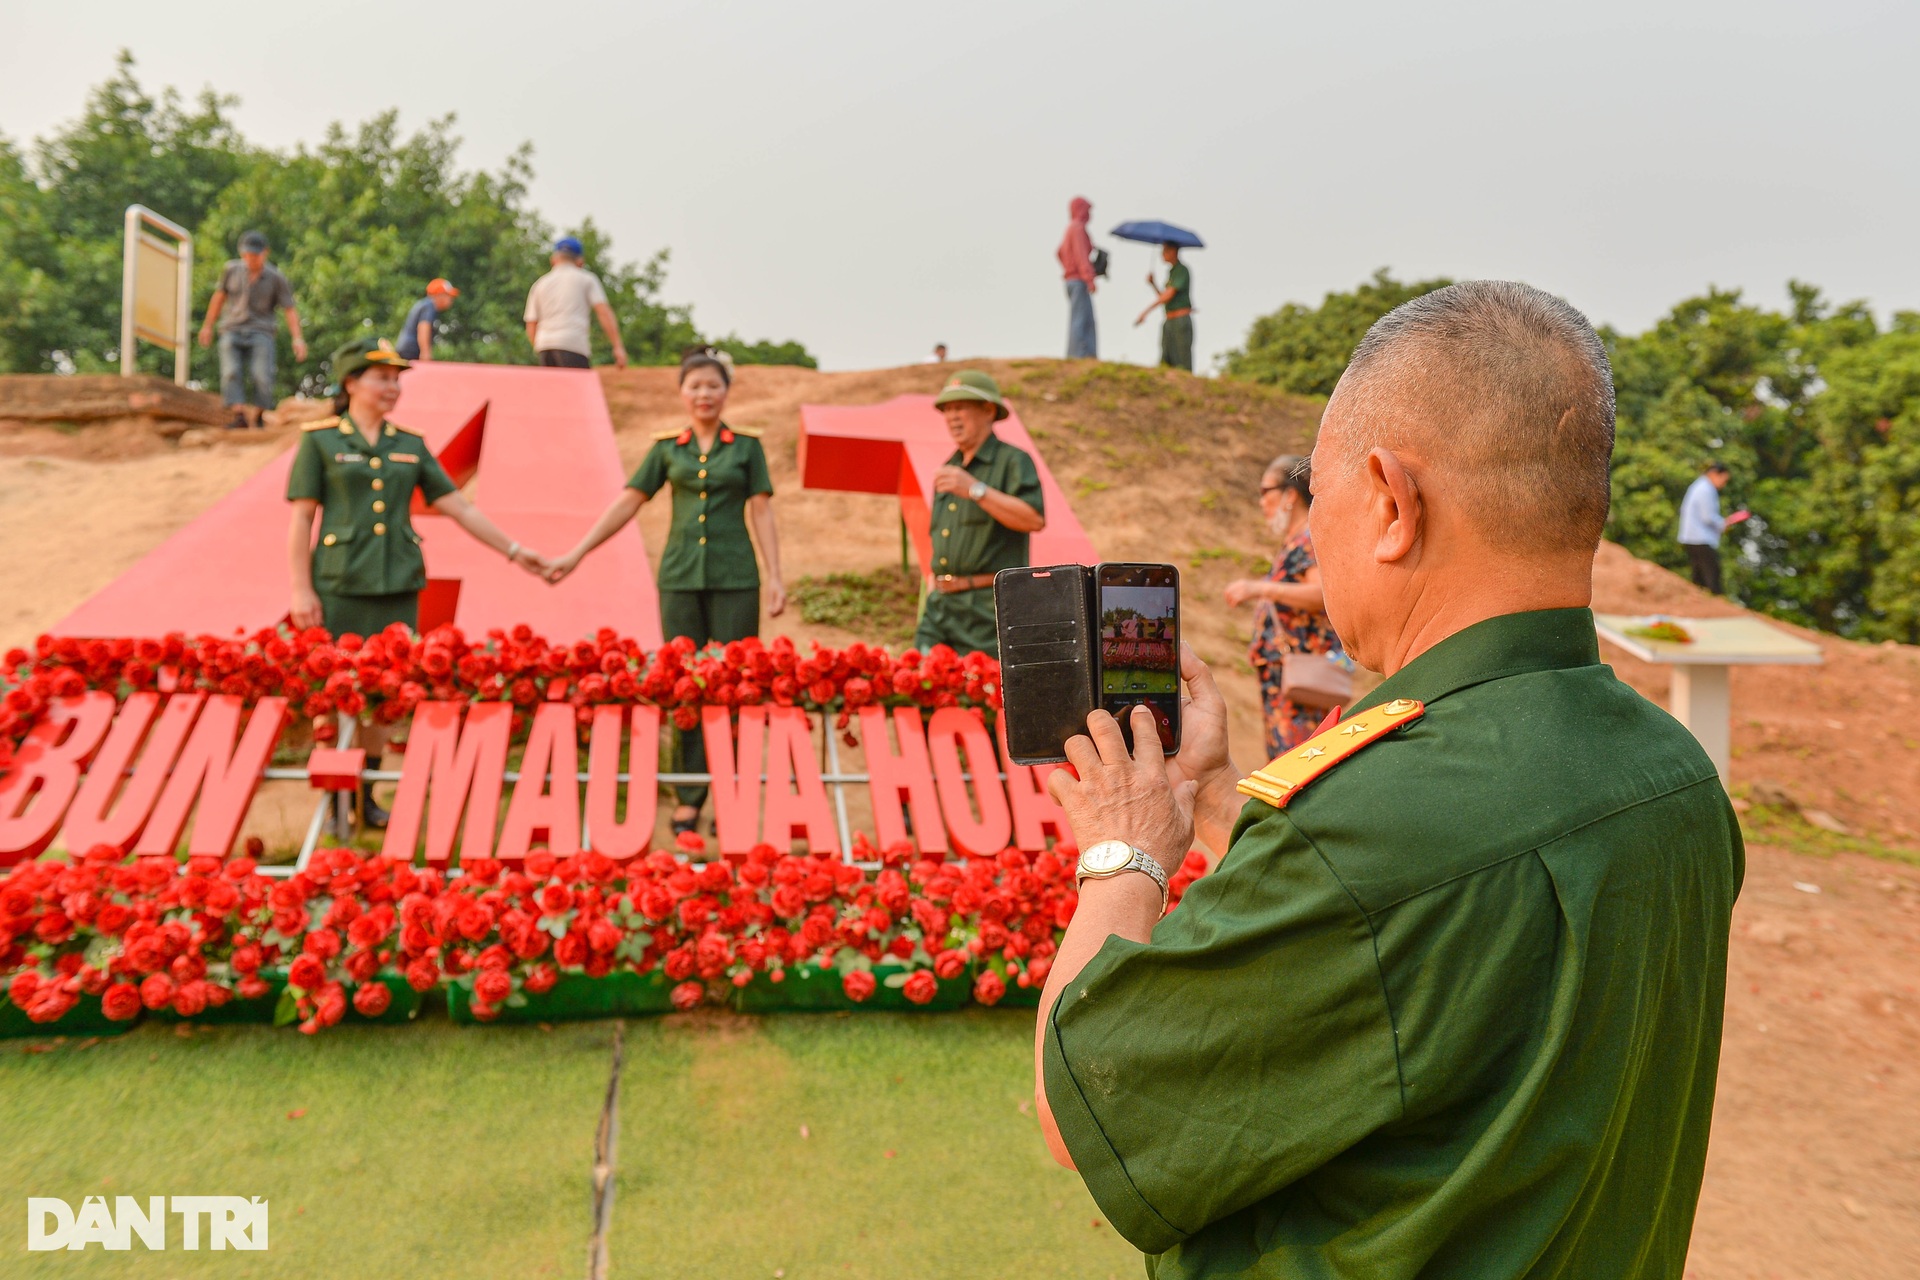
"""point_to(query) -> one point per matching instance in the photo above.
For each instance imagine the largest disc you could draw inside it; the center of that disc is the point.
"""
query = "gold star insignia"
(1355, 727)
(1313, 753)
(1399, 706)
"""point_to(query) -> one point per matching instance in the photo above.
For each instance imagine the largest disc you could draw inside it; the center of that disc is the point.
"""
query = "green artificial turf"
(439, 1150)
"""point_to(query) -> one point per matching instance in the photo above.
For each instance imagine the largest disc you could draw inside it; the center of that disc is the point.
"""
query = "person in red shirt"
(1076, 264)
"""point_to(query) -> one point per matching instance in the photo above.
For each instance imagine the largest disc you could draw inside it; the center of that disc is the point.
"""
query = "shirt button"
(329, 540)
(943, 559)
(374, 463)
(379, 484)
(379, 529)
(703, 495)
(945, 532)
(953, 506)
(378, 507)
(703, 517)
(703, 458)
(703, 542)
(703, 475)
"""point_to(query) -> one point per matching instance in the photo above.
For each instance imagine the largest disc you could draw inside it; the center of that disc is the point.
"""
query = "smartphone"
(1043, 616)
(1138, 611)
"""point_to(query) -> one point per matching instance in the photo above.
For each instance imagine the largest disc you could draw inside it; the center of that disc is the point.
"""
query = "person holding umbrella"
(1176, 333)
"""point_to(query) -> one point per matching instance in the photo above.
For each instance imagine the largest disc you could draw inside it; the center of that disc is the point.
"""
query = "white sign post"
(156, 289)
(1702, 696)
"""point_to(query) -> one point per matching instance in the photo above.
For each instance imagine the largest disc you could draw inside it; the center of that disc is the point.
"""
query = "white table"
(1702, 700)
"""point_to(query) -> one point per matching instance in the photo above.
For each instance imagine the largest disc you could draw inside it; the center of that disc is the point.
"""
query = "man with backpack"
(1076, 254)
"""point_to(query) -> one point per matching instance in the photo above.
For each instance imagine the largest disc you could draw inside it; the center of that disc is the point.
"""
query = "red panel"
(897, 446)
(538, 445)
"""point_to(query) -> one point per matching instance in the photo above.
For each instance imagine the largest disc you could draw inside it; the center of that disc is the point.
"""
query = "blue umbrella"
(1158, 233)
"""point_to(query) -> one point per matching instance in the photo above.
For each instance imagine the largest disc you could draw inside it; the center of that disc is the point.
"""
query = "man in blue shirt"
(1701, 524)
(416, 332)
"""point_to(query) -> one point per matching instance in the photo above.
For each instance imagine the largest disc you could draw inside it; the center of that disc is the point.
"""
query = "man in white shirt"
(561, 307)
(1701, 524)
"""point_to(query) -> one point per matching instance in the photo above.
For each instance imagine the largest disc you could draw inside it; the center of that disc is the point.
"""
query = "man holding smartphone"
(986, 504)
(1450, 1004)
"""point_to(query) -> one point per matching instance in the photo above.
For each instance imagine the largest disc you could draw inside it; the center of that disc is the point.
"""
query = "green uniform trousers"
(369, 615)
(1176, 343)
(705, 617)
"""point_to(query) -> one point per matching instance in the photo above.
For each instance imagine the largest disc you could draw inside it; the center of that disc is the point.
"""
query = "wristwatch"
(977, 490)
(1109, 858)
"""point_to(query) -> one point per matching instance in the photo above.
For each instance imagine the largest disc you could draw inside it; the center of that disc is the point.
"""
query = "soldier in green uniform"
(1176, 330)
(709, 582)
(358, 472)
(1450, 1003)
(986, 503)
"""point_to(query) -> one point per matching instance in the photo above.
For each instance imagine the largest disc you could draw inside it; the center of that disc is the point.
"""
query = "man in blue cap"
(561, 307)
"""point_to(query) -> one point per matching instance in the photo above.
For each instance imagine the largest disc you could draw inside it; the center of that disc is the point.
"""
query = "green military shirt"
(367, 545)
(968, 541)
(707, 546)
(1455, 1011)
(1180, 280)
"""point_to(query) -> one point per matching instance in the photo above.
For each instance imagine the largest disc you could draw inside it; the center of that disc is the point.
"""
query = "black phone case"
(1043, 615)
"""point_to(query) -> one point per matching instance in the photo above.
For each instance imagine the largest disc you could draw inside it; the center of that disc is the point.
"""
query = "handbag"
(1311, 680)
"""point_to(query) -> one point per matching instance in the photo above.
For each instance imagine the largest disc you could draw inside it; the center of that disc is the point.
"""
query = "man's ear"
(1393, 502)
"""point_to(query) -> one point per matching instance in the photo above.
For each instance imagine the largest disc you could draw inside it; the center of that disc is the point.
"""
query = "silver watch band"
(1140, 861)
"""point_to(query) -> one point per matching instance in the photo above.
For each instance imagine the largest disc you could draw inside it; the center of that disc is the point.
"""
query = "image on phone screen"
(1139, 608)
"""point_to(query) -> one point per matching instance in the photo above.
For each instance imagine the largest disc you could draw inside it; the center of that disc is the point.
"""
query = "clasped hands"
(1153, 801)
(541, 567)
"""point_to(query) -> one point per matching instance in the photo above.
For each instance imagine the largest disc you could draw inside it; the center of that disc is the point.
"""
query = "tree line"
(1815, 408)
(359, 223)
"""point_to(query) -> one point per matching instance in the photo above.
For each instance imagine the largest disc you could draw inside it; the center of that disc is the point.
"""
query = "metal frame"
(183, 302)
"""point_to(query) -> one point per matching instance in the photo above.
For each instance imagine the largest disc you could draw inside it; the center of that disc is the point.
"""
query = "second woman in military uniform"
(709, 583)
(358, 473)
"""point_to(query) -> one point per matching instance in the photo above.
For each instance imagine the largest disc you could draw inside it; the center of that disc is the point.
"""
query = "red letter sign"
(46, 772)
(88, 822)
(464, 771)
(803, 810)
(535, 814)
(889, 775)
(222, 777)
(989, 833)
(736, 774)
(610, 836)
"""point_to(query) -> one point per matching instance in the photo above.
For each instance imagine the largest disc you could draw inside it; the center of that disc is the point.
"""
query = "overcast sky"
(872, 178)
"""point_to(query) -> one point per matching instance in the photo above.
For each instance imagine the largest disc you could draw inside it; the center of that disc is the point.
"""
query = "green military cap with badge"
(971, 384)
(362, 354)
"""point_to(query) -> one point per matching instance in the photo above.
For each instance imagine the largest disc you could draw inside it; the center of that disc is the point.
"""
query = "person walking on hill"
(1701, 525)
(710, 588)
(250, 291)
(1076, 266)
(986, 505)
(1176, 331)
(561, 308)
(1291, 608)
(417, 331)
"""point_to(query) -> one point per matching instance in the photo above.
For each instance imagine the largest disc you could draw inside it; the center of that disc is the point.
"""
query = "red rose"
(121, 1002)
(950, 963)
(541, 978)
(372, 999)
(50, 1004)
(246, 958)
(157, 991)
(21, 989)
(920, 987)
(989, 987)
(422, 974)
(307, 973)
(492, 986)
(253, 986)
(858, 985)
(688, 995)
(190, 998)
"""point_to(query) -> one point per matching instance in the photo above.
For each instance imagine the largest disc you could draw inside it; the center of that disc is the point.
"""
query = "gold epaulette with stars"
(746, 431)
(1286, 775)
(668, 434)
(320, 424)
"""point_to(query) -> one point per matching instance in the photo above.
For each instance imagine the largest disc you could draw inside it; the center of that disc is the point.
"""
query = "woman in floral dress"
(1290, 611)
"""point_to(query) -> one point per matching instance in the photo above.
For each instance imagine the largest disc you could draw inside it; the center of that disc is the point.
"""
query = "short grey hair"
(1504, 384)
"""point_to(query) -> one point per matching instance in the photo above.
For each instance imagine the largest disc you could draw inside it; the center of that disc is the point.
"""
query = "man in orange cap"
(416, 333)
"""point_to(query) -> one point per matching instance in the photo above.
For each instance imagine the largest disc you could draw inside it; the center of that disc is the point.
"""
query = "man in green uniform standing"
(1450, 1004)
(1176, 331)
(986, 504)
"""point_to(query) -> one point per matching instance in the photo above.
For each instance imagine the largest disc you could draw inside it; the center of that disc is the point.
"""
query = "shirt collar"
(1510, 645)
(988, 448)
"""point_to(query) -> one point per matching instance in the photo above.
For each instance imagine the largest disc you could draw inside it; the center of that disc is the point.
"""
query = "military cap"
(971, 384)
(363, 353)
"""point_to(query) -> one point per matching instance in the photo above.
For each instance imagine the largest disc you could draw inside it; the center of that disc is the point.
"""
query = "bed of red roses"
(385, 676)
(149, 934)
(128, 936)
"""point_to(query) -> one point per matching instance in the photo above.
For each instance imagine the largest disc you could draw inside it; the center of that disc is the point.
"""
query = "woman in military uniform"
(709, 582)
(358, 472)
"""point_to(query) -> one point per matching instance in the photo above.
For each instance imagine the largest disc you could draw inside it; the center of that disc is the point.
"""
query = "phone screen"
(1139, 607)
